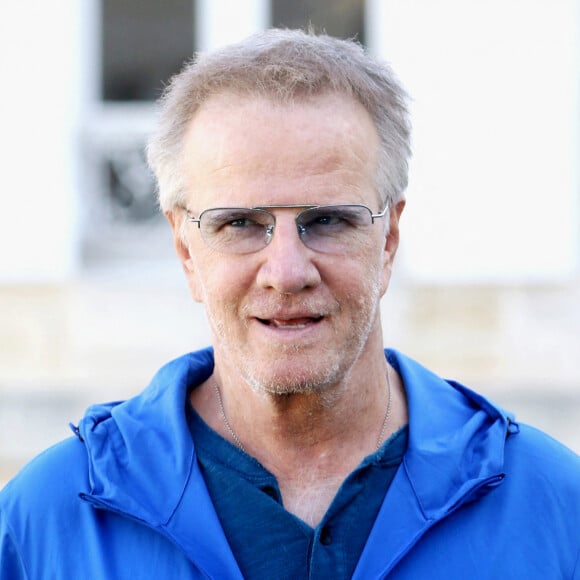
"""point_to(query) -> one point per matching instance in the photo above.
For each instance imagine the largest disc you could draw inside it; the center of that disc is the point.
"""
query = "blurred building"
(487, 288)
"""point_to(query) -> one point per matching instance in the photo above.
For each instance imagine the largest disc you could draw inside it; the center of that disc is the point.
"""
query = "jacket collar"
(455, 454)
(142, 462)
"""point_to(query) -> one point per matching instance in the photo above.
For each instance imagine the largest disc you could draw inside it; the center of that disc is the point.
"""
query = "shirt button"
(325, 537)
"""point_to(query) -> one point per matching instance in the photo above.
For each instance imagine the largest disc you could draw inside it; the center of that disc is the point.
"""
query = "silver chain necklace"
(240, 444)
(387, 414)
(225, 419)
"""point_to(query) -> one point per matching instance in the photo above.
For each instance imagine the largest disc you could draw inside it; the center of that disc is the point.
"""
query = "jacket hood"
(141, 446)
(456, 436)
(455, 454)
(142, 464)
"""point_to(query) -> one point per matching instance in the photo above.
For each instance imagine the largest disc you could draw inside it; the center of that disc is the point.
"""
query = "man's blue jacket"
(477, 495)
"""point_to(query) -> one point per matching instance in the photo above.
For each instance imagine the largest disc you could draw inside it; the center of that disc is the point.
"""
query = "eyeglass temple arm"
(380, 214)
(191, 218)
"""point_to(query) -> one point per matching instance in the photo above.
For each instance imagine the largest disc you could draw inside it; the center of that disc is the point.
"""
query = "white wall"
(494, 193)
(220, 22)
(42, 95)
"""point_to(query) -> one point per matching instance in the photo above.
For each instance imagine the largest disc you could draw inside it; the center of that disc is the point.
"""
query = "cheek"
(213, 275)
(362, 286)
(222, 286)
(227, 324)
(196, 288)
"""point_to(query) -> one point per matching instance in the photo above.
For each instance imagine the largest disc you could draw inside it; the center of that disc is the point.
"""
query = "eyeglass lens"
(331, 229)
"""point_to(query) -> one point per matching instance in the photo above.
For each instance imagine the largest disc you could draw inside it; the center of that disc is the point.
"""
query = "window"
(144, 42)
(342, 18)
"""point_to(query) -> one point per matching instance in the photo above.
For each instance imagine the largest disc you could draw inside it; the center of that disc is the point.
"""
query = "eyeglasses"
(332, 229)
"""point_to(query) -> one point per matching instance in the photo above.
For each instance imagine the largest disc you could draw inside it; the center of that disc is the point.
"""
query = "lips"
(291, 323)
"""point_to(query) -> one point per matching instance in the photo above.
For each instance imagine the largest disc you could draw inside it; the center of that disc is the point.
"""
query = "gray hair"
(283, 65)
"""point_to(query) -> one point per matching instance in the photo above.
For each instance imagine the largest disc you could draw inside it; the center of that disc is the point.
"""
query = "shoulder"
(39, 504)
(532, 454)
(48, 482)
(540, 493)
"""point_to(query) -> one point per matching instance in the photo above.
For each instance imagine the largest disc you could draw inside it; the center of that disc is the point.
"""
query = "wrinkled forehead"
(326, 103)
(255, 119)
(316, 145)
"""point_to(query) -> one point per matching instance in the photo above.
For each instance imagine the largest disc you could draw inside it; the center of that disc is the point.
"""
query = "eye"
(235, 223)
(240, 223)
(326, 220)
(333, 218)
(216, 220)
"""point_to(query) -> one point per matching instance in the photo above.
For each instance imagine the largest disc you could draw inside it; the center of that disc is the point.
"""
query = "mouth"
(290, 323)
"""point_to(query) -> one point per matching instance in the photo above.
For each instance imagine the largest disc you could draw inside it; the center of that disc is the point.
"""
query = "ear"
(182, 249)
(391, 243)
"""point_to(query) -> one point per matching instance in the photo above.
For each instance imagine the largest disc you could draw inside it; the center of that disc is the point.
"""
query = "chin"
(292, 380)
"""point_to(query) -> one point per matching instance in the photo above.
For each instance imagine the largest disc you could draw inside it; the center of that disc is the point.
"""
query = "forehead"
(315, 145)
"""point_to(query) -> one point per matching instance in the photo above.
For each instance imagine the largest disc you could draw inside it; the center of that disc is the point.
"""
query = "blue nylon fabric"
(476, 496)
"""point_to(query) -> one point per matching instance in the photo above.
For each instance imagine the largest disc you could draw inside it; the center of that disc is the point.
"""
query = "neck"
(310, 442)
(351, 418)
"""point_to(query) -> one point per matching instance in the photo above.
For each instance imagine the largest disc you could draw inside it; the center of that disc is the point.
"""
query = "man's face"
(286, 318)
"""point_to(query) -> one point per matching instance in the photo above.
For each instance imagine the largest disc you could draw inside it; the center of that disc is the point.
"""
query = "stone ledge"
(30, 425)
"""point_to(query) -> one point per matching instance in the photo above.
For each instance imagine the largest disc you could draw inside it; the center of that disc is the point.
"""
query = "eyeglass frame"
(266, 209)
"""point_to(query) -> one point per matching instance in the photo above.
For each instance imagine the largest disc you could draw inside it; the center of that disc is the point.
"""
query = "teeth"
(293, 324)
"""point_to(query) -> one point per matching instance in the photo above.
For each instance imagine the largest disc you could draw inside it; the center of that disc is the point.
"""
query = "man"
(296, 447)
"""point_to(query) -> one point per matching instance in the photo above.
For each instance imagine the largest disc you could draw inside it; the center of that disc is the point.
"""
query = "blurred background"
(487, 284)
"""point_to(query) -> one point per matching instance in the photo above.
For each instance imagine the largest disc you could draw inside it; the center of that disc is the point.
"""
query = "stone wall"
(102, 338)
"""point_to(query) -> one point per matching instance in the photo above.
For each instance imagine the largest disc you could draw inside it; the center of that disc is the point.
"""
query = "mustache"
(289, 306)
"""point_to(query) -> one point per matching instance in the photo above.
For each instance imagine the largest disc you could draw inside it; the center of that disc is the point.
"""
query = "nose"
(287, 265)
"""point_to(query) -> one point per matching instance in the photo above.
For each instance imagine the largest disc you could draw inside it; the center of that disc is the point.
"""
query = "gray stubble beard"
(321, 384)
